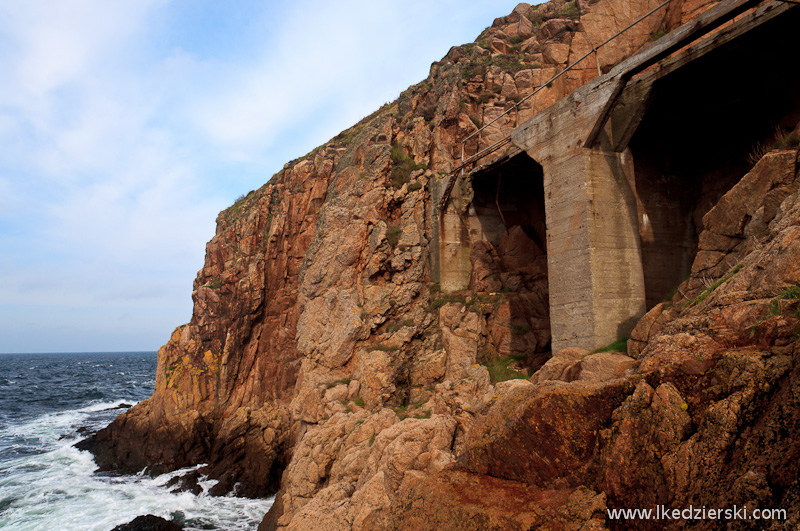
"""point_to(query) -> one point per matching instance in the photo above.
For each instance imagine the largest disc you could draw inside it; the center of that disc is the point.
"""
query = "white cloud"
(119, 152)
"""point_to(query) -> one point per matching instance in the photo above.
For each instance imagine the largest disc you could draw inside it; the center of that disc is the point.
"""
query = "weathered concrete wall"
(595, 275)
(454, 243)
(618, 290)
(619, 235)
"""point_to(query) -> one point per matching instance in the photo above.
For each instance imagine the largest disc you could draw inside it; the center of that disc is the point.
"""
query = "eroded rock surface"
(322, 365)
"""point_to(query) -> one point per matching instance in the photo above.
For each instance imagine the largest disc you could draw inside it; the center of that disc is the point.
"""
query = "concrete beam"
(630, 100)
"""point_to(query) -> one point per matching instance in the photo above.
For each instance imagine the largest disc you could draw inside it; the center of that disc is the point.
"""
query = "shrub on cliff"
(403, 166)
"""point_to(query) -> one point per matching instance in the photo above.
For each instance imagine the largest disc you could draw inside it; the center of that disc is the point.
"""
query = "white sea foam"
(58, 489)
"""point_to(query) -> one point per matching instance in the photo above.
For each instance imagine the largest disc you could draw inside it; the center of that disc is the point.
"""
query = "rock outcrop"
(322, 365)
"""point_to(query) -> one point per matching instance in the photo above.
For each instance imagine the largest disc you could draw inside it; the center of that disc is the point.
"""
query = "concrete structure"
(631, 161)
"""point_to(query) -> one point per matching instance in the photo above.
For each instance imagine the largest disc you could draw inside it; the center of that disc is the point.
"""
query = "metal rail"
(497, 145)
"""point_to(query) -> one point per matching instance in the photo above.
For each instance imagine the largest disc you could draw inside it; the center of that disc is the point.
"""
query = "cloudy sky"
(127, 125)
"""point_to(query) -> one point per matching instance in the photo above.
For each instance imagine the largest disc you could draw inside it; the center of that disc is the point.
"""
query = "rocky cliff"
(323, 365)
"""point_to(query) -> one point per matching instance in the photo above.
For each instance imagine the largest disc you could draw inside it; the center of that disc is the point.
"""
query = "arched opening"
(696, 140)
(508, 255)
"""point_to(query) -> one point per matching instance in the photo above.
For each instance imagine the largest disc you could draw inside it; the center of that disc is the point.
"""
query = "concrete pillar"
(595, 274)
(454, 249)
(451, 266)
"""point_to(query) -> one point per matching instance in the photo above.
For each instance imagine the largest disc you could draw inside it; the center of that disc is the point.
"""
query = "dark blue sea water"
(47, 484)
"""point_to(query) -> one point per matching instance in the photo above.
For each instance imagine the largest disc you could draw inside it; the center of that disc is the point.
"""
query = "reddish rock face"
(455, 500)
(544, 437)
(322, 363)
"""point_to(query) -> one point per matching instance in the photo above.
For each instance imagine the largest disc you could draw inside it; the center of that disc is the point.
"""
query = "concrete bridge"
(618, 174)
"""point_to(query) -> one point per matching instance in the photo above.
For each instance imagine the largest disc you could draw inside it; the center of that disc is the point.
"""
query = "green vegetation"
(384, 348)
(570, 10)
(790, 293)
(403, 166)
(358, 401)
(413, 187)
(509, 63)
(404, 412)
(235, 209)
(394, 327)
(778, 305)
(657, 34)
(670, 294)
(620, 345)
(475, 68)
(446, 298)
(339, 382)
(499, 370)
(710, 289)
(393, 235)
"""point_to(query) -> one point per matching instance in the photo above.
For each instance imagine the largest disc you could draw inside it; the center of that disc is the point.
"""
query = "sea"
(47, 404)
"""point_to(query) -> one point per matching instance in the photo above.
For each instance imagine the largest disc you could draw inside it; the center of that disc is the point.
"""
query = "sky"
(126, 126)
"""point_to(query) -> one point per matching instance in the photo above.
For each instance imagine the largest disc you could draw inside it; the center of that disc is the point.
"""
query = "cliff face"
(322, 360)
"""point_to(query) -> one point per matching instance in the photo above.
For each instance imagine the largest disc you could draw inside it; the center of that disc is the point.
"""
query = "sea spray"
(46, 483)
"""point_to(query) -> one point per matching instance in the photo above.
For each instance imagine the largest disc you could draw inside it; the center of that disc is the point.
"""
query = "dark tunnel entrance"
(509, 257)
(699, 136)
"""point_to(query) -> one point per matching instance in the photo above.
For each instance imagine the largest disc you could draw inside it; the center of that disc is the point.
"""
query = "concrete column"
(454, 248)
(451, 264)
(594, 257)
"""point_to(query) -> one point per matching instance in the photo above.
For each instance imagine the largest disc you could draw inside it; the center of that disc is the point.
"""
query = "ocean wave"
(50, 428)
(59, 490)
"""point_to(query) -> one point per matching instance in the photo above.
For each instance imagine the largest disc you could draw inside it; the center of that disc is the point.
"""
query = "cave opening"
(508, 255)
(701, 134)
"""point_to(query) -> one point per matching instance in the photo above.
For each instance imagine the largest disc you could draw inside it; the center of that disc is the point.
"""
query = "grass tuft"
(499, 370)
(620, 345)
(338, 382)
(714, 285)
(393, 234)
(384, 348)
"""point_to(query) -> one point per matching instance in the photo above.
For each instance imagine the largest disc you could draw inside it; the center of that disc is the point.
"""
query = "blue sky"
(126, 126)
